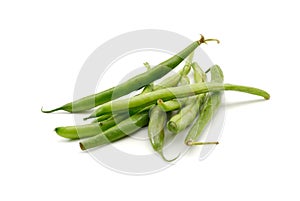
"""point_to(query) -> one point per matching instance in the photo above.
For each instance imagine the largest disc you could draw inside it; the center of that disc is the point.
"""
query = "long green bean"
(109, 120)
(79, 131)
(132, 84)
(188, 113)
(173, 80)
(156, 134)
(210, 106)
(171, 93)
(117, 132)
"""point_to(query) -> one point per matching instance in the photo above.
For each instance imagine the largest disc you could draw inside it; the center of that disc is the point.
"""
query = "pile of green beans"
(174, 104)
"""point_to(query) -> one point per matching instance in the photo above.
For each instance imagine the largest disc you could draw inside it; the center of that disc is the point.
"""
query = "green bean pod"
(185, 117)
(117, 132)
(210, 106)
(102, 118)
(79, 131)
(157, 122)
(150, 86)
(175, 79)
(113, 121)
(106, 121)
(188, 113)
(170, 105)
(199, 74)
(171, 93)
(132, 84)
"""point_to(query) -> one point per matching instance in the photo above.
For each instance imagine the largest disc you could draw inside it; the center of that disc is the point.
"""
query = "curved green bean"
(156, 134)
(150, 86)
(121, 130)
(210, 106)
(79, 131)
(132, 84)
(89, 130)
(117, 132)
(102, 118)
(188, 113)
(170, 105)
(171, 93)
(175, 79)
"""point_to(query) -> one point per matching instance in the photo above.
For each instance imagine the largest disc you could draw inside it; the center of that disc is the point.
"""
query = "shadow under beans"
(241, 103)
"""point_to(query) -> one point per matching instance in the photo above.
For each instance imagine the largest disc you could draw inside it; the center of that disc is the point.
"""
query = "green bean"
(129, 125)
(117, 132)
(210, 106)
(108, 120)
(79, 131)
(199, 75)
(111, 122)
(89, 130)
(150, 86)
(165, 83)
(167, 94)
(175, 79)
(157, 122)
(102, 118)
(171, 93)
(188, 113)
(114, 118)
(168, 106)
(132, 84)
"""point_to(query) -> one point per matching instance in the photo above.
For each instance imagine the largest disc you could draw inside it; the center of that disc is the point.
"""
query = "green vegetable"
(79, 131)
(210, 106)
(168, 106)
(175, 79)
(171, 93)
(102, 118)
(109, 120)
(117, 132)
(157, 122)
(188, 113)
(132, 84)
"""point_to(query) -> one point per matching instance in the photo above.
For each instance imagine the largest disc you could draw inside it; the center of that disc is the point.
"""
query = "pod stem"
(50, 111)
(203, 40)
(191, 143)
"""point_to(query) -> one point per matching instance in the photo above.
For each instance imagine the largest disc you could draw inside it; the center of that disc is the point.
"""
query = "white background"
(43, 46)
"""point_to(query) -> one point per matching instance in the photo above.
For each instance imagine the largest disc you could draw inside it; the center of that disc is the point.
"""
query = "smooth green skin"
(79, 131)
(89, 130)
(112, 133)
(102, 118)
(188, 113)
(185, 80)
(170, 105)
(211, 105)
(185, 117)
(199, 74)
(175, 79)
(150, 86)
(166, 83)
(130, 85)
(171, 93)
(156, 134)
(156, 127)
(117, 132)
(112, 122)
